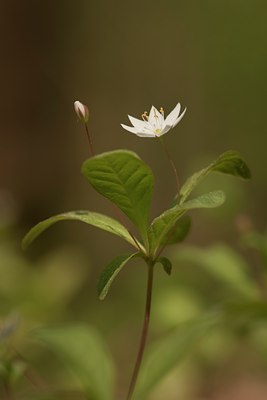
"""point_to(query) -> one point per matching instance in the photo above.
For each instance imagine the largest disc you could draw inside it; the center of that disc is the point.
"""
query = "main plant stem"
(144, 331)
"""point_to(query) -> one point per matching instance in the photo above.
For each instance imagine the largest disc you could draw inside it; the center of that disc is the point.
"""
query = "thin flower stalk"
(83, 115)
(172, 164)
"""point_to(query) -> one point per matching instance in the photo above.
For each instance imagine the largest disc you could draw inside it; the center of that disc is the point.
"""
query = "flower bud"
(82, 111)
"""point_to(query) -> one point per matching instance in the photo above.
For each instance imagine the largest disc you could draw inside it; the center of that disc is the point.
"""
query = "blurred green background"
(119, 58)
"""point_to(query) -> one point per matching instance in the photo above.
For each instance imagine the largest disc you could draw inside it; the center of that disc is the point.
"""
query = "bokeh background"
(120, 58)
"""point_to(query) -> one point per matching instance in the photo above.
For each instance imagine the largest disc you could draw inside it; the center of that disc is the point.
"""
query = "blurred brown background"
(120, 58)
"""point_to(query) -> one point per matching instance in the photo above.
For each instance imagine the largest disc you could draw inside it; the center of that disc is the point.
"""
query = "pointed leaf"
(110, 272)
(179, 232)
(168, 352)
(122, 177)
(92, 218)
(161, 226)
(229, 162)
(85, 353)
(166, 263)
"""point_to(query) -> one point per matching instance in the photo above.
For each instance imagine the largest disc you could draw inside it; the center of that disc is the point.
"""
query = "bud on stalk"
(81, 111)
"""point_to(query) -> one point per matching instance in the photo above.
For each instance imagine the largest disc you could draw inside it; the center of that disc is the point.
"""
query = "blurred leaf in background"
(85, 353)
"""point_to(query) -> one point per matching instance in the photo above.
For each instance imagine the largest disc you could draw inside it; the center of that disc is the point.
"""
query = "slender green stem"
(173, 167)
(144, 331)
(91, 148)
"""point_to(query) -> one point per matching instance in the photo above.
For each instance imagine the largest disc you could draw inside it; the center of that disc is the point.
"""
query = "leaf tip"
(219, 198)
(166, 264)
(245, 171)
(25, 242)
(101, 293)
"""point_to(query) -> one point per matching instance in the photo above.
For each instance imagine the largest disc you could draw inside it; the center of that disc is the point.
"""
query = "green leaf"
(110, 272)
(166, 263)
(122, 177)
(223, 263)
(92, 218)
(179, 231)
(161, 226)
(85, 353)
(168, 352)
(245, 311)
(229, 162)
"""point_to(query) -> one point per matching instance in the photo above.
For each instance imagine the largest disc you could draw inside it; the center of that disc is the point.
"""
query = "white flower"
(82, 111)
(154, 124)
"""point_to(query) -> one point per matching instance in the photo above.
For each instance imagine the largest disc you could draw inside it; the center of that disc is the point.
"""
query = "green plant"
(127, 181)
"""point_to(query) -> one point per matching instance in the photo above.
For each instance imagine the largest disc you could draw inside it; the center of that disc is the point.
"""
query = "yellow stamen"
(161, 110)
(145, 116)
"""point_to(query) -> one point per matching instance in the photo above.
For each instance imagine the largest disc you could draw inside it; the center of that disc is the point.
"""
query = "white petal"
(155, 118)
(179, 118)
(160, 117)
(170, 119)
(146, 134)
(149, 127)
(137, 123)
(151, 115)
(146, 131)
(165, 130)
(139, 132)
(129, 128)
(156, 113)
